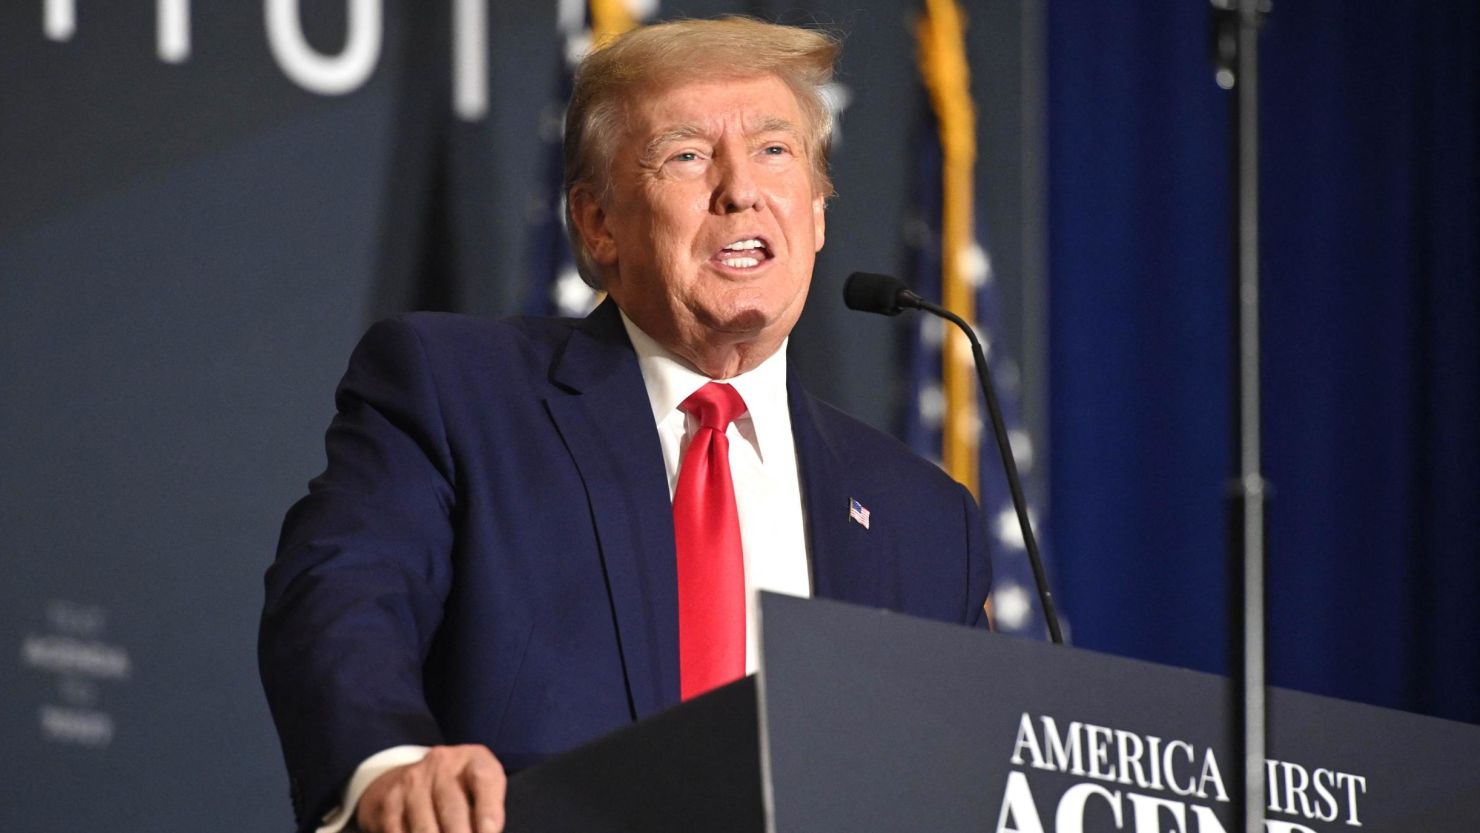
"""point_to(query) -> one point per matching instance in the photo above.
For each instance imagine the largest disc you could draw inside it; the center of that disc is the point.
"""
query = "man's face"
(712, 222)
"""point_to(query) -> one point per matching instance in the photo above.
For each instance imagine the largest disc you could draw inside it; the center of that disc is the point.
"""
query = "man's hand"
(454, 789)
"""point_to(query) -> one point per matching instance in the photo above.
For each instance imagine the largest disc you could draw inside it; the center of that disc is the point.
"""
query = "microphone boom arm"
(1009, 463)
(888, 295)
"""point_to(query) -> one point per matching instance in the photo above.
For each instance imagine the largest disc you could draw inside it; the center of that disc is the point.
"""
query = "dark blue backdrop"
(1372, 365)
(188, 252)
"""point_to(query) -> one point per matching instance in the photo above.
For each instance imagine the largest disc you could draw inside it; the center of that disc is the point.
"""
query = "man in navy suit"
(484, 575)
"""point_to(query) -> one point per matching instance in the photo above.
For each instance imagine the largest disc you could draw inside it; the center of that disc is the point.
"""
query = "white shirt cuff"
(373, 767)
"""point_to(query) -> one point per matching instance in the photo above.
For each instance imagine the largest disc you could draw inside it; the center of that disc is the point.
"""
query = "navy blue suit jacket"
(489, 556)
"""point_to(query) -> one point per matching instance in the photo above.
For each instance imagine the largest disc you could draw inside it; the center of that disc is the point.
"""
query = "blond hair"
(666, 54)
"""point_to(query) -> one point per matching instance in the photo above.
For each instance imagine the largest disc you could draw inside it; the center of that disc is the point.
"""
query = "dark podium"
(862, 720)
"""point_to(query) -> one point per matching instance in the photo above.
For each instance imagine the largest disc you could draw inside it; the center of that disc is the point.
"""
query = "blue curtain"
(1371, 305)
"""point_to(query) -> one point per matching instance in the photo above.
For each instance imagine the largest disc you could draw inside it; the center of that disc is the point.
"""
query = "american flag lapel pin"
(857, 513)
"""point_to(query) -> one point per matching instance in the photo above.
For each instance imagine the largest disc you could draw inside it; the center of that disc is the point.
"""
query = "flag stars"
(961, 350)
(976, 265)
(931, 333)
(1005, 527)
(932, 405)
(984, 337)
(576, 47)
(960, 347)
(1022, 449)
(1012, 606)
(837, 98)
(571, 294)
(642, 9)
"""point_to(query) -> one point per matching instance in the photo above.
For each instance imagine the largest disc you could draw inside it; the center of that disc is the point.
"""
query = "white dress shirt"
(763, 464)
(768, 499)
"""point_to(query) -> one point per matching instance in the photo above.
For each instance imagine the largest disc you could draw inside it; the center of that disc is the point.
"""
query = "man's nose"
(736, 189)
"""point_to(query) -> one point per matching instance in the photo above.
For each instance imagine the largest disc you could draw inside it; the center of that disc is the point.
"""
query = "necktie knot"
(715, 405)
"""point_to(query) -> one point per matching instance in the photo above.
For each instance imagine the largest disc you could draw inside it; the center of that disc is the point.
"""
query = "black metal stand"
(1236, 46)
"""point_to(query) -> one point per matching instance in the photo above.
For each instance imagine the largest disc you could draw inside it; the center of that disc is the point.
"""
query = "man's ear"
(589, 216)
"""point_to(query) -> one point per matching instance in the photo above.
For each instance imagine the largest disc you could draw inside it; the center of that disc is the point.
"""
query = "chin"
(751, 311)
(743, 321)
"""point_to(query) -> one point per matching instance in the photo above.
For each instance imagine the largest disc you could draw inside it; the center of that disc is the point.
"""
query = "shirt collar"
(669, 381)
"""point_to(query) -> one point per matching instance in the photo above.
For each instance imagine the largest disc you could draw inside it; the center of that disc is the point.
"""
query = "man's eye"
(686, 156)
(775, 150)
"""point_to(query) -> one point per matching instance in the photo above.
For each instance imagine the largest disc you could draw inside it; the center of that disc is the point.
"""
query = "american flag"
(857, 512)
(556, 288)
(927, 408)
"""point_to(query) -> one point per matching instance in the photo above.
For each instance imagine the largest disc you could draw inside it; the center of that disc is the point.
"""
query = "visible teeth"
(740, 262)
(739, 245)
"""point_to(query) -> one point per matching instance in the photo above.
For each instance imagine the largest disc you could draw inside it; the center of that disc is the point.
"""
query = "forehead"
(751, 104)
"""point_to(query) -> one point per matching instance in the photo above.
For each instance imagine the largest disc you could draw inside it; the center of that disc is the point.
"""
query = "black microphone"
(884, 294)
(888, 295)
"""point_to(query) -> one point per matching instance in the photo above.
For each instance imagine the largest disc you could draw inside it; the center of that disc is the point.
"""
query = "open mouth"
(745, 253)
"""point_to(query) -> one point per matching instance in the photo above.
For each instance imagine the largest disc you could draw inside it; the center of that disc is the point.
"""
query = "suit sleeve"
(356, 592)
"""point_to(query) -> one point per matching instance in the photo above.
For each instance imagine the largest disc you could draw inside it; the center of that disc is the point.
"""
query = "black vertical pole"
(1236, 41)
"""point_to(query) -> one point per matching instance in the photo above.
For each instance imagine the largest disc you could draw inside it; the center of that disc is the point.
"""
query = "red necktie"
(711, 565)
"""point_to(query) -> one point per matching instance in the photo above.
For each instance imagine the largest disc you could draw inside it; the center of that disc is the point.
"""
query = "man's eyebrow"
(676, 133)
(776, 124)
(681, 132)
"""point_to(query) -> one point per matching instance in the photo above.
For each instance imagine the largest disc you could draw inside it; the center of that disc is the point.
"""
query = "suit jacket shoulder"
(922, 549)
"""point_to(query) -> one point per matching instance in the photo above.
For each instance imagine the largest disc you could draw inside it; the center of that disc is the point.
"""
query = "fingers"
(454, 789)
(486, 783)
(450, 803)
(383, 806)
(421, 812)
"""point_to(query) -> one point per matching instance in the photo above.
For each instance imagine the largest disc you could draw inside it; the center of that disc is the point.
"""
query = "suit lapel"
(844, 566)
(606, 422)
